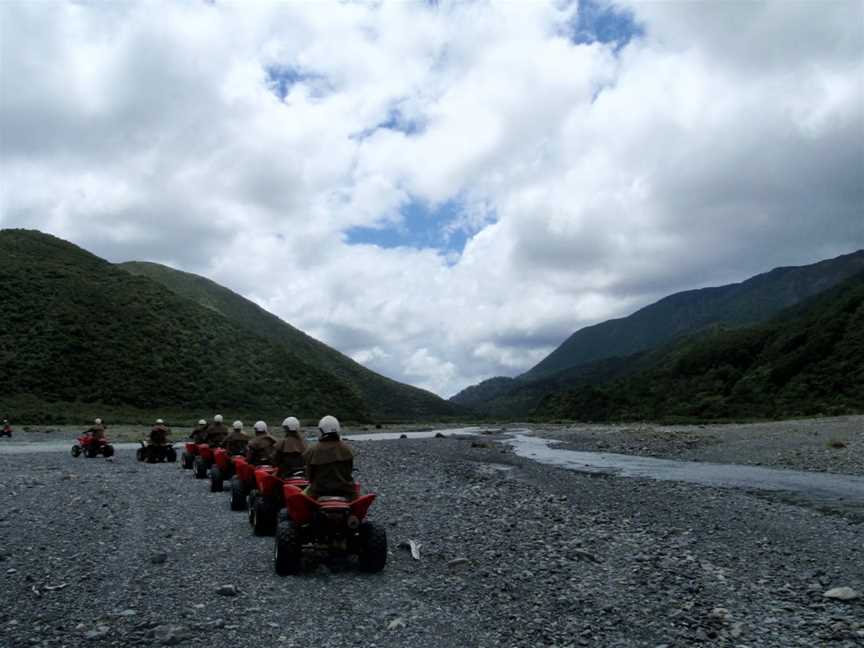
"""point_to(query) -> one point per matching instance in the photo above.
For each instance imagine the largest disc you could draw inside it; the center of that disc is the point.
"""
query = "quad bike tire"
(266, 517)
(76, 451)
(238, 501)
(170, 455)
(90, 452)
(186, 460)
(200, 468)
(252, 506)
(216, 479)
(373, 548)
(108, 451)
(288, 549)
(139, 454)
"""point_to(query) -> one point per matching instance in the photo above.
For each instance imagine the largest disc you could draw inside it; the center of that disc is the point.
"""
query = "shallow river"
(824, 491)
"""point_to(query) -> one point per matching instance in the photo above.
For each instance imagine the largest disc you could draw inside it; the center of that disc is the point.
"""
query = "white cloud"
(721, 143)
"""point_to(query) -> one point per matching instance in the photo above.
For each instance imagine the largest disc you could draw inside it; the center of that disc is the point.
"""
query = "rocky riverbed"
(513, 553)
(825, 445)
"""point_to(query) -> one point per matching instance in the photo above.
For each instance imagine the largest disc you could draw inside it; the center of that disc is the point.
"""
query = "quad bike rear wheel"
(91, 451)
(107, 451)
(238, 501)
(288, 549)
(200, 468)
(139, 454)
(266, 514)
(170, 455)
(186, 460)
(373, 548)
(252, 505)
(216, 479)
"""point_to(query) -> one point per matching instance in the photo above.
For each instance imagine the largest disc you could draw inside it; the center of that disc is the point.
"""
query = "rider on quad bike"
(216, 432)
(330, 515)
(7, 429)
(159, 447)
(236, 441)
(159, 433)
(330, 463)
(259, 452)
(288, 452)
(97, 430)
(199, 433)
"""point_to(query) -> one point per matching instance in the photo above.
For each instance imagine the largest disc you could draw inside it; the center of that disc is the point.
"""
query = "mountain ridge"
(387, 398)
(739, 304)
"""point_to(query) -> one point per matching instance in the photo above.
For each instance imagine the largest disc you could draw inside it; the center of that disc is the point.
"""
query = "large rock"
(842, 594)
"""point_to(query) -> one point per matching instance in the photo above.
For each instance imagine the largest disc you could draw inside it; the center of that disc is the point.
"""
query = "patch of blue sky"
(600, 21)
(396, 120)
(281, 78)
(421, 226)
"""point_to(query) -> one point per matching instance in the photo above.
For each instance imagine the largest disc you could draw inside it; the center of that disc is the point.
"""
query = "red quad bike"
(187, 459)
(90, 447)
(6, 431)
(156, 452)
(242, 483)
(203, 461)
(334, 525)
(266, 499)
(222, 469)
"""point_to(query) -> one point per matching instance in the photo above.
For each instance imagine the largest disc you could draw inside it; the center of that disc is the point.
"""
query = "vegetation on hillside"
(808, 361)
(384, 397)
(79, 332)
(750, 302)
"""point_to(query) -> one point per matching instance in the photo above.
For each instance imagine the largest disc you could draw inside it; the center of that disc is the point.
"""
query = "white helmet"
(98, 421)
(202, 422)
(328, 425)
(260, 426)
(217, 418)
(238, 425)
(292, 424)
(160, 422)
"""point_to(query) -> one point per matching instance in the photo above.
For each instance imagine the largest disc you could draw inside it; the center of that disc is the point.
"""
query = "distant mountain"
(384, 398)
(81, 335)
(685, 313)
(807, 361)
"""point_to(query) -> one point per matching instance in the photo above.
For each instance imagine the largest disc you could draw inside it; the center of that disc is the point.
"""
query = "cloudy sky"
(442, 190)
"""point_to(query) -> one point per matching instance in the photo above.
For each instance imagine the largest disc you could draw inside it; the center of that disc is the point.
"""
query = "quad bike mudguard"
(267, 482)
(222, 459)
(205, 452)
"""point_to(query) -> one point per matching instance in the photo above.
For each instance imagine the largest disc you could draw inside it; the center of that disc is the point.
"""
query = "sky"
(443, 191)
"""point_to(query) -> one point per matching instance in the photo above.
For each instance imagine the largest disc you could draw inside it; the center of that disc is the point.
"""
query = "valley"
(512, 553)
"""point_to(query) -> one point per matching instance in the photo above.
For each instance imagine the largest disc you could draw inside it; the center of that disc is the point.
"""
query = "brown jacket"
(328, 468)
(260, 449)
(235, 442)
(159, 434)
(199, 434)
(216, 433)
(288, 453)
(97, 431)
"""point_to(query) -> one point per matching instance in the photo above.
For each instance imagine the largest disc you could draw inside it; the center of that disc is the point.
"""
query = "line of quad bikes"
(302, 527)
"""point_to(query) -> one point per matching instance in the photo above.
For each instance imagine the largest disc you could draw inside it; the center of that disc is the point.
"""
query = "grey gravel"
(833, 444)
(555, 558)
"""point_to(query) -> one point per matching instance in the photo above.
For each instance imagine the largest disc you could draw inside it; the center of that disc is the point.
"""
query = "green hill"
(807, 361)
(384, 397)
(741, 304)
(81, 337)
(686, 313)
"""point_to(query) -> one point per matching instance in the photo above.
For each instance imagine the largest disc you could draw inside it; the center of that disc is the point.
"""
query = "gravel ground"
(513, 554)
(825, 445)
